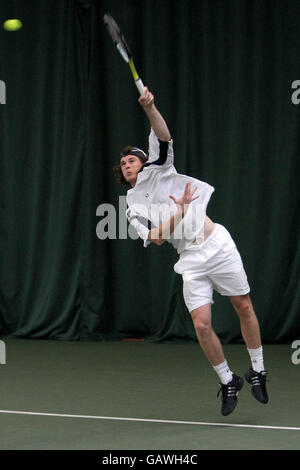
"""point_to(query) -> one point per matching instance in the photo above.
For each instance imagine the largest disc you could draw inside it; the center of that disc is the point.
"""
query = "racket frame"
(114, 31)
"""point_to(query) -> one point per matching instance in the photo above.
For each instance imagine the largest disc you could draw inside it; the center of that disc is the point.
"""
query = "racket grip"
(140, 86)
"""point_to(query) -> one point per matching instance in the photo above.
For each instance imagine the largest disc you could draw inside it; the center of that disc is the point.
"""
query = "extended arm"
(157, 122)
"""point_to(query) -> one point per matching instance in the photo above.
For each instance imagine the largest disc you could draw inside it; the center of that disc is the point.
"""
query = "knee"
(244, 309)
(202, 327)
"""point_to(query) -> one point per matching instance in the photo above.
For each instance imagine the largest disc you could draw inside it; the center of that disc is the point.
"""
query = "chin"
(131, 181)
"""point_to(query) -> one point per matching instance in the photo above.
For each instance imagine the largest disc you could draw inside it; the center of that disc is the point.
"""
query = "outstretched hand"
(186, 198)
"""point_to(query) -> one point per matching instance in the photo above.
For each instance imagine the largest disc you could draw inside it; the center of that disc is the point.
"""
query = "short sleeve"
(160, 152)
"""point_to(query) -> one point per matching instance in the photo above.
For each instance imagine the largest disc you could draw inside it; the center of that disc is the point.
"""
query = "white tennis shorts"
(215, 265)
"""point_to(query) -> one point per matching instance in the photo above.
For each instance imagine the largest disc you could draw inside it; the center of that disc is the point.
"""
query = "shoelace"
(227, 391)
(259, 379)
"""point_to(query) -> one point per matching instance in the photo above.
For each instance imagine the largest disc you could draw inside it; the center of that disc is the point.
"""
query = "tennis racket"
(122, 46)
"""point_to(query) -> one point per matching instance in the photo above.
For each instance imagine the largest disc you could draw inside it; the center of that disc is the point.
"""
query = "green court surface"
(140, 395)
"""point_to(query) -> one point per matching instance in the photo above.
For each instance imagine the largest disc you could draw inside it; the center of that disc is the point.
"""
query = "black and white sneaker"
(258, 382)
(229, 394)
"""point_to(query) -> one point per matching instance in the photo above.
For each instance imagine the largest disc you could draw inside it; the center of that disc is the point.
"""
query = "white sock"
(223, 372)
(257, 359)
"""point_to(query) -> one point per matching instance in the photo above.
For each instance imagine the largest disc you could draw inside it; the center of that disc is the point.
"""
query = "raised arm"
(157, 122)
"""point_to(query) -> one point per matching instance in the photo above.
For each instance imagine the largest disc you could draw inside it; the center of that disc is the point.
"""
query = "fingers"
(188, 195)
(192, 194)
(187, 190)
(142, 97)
(147, 98)
(194, 190)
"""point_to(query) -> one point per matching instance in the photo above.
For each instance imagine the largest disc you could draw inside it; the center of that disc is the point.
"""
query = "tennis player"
(166, 206)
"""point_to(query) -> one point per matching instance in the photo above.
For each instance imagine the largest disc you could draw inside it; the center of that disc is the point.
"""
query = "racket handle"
(140, 86)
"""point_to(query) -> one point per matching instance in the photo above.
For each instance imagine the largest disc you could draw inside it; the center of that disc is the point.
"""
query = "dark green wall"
(221, 73)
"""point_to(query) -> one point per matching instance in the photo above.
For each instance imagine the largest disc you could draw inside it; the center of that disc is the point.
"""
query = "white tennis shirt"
(149, 203)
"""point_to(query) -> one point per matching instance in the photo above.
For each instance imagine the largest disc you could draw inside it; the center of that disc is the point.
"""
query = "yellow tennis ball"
(12, 25)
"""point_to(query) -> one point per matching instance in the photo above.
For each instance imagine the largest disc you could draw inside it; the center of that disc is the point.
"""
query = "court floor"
(138, 395)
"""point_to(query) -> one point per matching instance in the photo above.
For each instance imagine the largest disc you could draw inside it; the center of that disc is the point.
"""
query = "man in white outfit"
(166, 206)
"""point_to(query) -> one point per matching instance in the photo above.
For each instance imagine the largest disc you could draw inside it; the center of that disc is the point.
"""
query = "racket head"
(117, 37)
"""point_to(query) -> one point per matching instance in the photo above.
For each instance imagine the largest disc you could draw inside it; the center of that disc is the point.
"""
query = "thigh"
(229, 277)
(197, 292)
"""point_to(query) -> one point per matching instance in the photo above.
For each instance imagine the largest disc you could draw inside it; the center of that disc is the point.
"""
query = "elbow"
(157, 241)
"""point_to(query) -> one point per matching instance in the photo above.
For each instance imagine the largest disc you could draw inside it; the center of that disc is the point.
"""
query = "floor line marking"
(148, 420)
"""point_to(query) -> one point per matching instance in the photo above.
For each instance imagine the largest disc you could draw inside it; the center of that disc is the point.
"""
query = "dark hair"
(129, 150)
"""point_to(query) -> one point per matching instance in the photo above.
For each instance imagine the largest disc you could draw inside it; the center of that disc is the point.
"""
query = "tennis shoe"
(229, 394)
(258, 381)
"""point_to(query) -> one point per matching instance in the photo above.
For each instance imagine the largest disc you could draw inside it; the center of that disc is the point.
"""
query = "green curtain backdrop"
(222, 73)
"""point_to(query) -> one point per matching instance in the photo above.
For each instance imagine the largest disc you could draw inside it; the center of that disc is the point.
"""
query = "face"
(130, 166)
